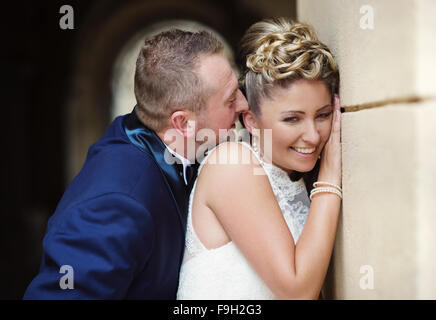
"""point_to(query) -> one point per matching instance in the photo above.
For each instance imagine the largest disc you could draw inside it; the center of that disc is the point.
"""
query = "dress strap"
(193, 243)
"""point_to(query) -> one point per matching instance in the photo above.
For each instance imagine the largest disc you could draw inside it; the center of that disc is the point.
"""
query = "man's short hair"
(166, 79)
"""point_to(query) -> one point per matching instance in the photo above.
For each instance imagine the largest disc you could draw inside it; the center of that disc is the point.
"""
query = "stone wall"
(385, 245)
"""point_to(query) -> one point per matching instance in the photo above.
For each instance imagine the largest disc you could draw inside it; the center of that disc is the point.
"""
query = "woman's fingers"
(331, 163)
(337, 119)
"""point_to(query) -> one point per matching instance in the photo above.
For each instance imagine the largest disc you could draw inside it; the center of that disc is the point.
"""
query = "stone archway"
(104, 34)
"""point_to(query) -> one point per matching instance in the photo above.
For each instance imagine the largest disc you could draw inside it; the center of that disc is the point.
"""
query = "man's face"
(225, 101)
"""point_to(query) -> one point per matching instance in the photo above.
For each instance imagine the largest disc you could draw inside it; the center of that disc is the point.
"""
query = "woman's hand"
(331, 156)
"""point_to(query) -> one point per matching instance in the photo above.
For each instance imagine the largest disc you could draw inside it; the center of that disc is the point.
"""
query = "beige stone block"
(425, 187)
(393, 59)
(426, 47)
(388, 213)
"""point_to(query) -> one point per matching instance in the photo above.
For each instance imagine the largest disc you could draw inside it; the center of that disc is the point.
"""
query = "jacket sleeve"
(94, 250)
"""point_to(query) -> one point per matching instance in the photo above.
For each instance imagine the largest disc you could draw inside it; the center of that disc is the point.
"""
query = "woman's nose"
(311, 134)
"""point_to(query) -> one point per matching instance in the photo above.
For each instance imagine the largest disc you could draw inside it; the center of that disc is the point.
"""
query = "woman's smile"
(304, 152)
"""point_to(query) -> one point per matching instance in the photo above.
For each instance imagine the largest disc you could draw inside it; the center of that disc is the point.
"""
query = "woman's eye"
(322, 116)
(325, 115)
(291, 119)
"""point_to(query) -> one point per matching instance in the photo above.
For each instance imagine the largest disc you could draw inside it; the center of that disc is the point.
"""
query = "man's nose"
(241, 103)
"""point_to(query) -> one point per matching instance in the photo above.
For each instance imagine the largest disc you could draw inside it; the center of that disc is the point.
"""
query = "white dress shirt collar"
(185, 162)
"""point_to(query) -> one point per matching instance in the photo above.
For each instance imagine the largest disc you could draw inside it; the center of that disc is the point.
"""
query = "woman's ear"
(184, 122)
(250, 121)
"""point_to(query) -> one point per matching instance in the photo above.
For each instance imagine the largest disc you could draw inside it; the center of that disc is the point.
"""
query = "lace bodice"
(224, 273)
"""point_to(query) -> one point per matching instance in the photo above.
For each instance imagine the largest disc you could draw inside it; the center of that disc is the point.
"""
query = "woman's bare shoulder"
(232, 171)
(231, 153)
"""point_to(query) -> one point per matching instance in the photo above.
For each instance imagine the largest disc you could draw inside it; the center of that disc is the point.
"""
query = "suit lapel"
(148, 141)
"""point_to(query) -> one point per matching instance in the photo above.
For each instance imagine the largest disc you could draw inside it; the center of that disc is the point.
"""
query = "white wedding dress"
(224, 273)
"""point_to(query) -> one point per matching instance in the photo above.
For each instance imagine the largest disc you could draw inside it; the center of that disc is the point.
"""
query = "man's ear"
(250, 121)
(184, 122)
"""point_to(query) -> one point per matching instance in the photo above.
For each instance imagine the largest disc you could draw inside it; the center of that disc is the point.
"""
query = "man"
(118, 231)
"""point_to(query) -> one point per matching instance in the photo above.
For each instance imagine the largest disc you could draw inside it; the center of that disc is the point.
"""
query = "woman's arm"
(324, 210)
(246, 207)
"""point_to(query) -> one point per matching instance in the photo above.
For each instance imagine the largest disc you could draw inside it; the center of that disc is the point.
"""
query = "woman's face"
(300, 117)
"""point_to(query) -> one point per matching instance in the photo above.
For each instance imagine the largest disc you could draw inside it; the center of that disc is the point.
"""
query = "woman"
(245, 237)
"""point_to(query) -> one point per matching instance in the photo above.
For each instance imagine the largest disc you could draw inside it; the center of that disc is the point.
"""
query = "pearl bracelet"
(327, 183)
(325, 189)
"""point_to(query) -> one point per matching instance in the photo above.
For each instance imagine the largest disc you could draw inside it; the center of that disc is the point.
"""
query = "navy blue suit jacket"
(120, 225)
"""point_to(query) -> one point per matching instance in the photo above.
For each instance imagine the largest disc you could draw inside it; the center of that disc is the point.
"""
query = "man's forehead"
(231, 80)
(234, 87)
(214, 67)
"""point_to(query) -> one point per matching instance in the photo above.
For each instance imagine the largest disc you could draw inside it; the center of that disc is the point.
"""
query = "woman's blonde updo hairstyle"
(279, 52)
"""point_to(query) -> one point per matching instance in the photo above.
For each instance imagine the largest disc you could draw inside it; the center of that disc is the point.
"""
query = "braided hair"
(279, 52)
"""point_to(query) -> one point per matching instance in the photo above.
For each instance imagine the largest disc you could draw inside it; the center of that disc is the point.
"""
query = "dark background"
(38, 63)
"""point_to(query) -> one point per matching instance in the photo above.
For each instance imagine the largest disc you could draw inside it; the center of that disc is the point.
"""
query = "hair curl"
(279, 52)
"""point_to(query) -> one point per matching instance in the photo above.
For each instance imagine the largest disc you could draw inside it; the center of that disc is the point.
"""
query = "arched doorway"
(107, 43)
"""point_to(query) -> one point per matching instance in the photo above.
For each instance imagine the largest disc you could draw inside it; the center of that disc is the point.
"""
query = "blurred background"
(61, 89)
